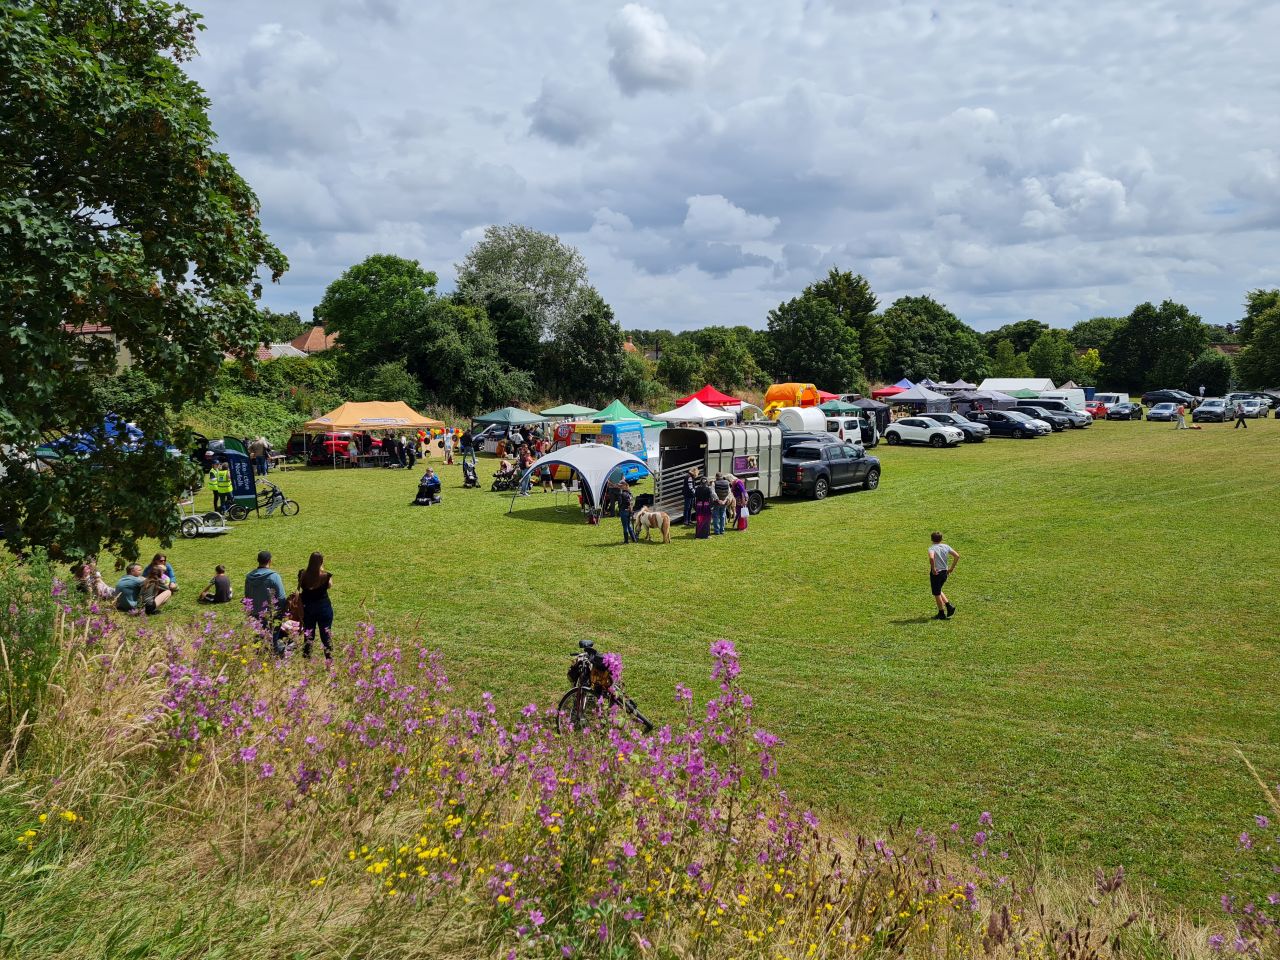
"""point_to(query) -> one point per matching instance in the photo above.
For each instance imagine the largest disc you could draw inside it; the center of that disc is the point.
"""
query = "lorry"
(752, 451)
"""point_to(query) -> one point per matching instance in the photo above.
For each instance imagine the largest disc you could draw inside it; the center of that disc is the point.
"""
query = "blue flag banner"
(244, 488)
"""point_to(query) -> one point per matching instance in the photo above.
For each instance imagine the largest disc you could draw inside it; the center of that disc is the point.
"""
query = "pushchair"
(469, 477)
(428, 492)
(506, 478)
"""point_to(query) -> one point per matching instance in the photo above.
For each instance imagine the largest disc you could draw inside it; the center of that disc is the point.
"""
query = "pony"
(649, 520)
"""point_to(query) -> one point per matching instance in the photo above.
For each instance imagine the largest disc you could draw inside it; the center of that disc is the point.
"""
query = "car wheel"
(755, 502)
(937, 440)
(892, 438)
(873, 479)
(820, 488)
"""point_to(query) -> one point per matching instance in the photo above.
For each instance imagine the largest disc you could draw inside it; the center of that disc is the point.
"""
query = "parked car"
(1096, 409)
(1212, 410)
(1109, 400)
(973, 432)
(1008, 423)
(1076, 419)
(923, 430)
(1054, 418)
(854, 429)
(1253, 408)
(335, 448)
(1165, 412)
(792, 437)
(1125, 411)
(815, 469)
(1154, 397)
(1267, 400)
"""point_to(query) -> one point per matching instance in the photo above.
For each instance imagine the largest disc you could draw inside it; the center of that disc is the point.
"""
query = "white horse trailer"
(752, 451)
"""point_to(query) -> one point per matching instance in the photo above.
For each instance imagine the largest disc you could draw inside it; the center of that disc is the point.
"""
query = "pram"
(469, 476)
(506, 478)
(428, 492)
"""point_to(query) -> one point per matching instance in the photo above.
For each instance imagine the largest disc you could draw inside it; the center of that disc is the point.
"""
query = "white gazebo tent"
(592, 462)
(695, 411)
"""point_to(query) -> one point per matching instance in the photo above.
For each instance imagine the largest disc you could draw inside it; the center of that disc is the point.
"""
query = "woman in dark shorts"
(317, 610)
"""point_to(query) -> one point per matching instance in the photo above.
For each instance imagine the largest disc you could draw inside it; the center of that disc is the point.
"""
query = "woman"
(154, 592)
(702, 509)
(317, 610)
(739, 487)
(161, 560)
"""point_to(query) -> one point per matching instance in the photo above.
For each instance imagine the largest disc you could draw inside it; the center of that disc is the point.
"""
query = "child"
(219, 588)
(942, 561)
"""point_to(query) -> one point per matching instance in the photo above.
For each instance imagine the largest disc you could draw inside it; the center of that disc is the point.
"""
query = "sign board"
(244, 487)
(746, 466)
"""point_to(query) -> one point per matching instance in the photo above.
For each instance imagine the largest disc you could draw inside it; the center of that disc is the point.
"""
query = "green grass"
(1115, 641)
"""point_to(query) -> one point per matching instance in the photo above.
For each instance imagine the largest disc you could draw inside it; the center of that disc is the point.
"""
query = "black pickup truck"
(815, 469)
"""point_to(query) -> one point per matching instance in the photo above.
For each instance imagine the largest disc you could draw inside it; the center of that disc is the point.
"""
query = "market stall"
(592, 462)
(698, 413)
(569, 411)
(922, 400)
(393, 416)
(711, 397)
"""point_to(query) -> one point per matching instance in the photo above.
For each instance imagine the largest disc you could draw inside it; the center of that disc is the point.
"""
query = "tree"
(1095, 332)
(1258, 364)
(116, 211)
(680, 365)
(378, 308)
(1087, 368)
(1256, 303)
(1021, 334)
(528, 282)
(390, 381)
(856, 305)
(637, 383)
(585, 356)
(281, 327)
(1212, 370)
(812, 344)
(455, 357)
(1007, 363)
(928, 340)
(1154, 347)
(1052, 356)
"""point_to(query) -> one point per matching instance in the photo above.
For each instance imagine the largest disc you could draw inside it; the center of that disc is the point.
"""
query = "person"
(466, 443)
(155, 591)
(428, 489)
(740, 502)
(517, 438)
(218, 590)
(163, 561)
(702, 509)
(317, 609)
(264, 590)
(625, 501)
(448, 447)
(89, 581)
(942, 563)
(1202, 391)
(220, 484)
(545, 471)
(687, 491)
(1239, 411)
(410, 452)
(1181, 417)
(128, 588)
(720, 504)
(526, 478)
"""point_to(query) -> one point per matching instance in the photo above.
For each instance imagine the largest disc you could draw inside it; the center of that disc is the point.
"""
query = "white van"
(1073, 397)
(1109, 400)
(859, 430)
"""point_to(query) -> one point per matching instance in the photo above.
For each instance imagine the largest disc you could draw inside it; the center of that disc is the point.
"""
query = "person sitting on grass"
(163, 561)
(128, 588)
(89, 581)
(218, 589)
(156, 590)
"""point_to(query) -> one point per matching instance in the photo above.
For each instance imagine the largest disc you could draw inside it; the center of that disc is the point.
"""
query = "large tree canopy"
(584, 358)
(812, 344)
(1154, 347)
(116, 213)
(928, 340)
(851, 297)
(1259, 361)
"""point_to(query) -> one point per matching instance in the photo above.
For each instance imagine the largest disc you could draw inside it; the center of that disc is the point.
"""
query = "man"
(220, 484)
(467, 444)
(264, 590)
(1202, 391)
(1182, 417)
(720, 503)
(625, 501)
(258, 454)
(942, 563)
(410, 452)
(1240, 417)
(687, 492)
(128, 588)
(448, 447)
(516, 438)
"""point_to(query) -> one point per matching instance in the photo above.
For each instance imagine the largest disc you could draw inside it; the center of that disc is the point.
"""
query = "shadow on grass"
(910, 620)
(547, 514)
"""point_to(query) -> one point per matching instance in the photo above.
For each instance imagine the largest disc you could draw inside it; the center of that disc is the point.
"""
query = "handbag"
(743, 513)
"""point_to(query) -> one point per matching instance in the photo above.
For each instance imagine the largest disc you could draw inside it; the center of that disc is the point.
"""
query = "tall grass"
(184, 793)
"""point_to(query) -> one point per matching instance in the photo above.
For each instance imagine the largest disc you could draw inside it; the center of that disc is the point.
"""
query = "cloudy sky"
(1049, 160)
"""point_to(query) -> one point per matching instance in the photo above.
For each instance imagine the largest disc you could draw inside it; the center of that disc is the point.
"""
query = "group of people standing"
(308, 610)
(710, 503)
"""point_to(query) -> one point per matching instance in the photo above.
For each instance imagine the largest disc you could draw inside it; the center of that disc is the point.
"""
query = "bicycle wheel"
(289, 508)
(581, 709)
(190, 527)
(238, 512)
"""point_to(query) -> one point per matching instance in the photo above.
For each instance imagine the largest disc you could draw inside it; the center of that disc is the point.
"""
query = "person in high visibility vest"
(220, 484)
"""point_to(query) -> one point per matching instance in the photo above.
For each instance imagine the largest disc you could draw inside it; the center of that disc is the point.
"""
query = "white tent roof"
(695, 411)
(1009, 384)
(916, 394)
(593, 462)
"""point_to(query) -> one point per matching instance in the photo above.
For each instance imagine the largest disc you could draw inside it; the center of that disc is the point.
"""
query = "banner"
(244, 488)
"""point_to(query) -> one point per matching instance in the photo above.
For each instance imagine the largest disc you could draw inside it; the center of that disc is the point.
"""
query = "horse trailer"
(752, 451)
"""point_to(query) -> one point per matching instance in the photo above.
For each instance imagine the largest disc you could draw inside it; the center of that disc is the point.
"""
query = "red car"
(1096, 410)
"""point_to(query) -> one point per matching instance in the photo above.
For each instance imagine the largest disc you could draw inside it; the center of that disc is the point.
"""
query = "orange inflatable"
(789, 395)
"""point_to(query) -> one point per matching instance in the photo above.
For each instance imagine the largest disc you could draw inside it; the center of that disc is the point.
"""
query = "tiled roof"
(315, 340)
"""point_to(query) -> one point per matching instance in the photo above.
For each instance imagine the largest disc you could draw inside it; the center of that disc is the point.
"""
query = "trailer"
(752, 451)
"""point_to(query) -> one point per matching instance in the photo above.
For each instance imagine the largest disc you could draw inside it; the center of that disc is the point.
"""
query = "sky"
(1050, 160)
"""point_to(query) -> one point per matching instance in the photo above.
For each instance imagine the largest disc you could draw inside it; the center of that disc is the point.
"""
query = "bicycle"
(589, 703)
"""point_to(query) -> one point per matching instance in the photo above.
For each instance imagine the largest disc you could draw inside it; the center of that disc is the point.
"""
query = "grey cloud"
(648, 55)
(566, 115)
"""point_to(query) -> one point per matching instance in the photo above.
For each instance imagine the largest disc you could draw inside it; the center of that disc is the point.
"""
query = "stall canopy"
(884, 392)
(711, 397)
(839, 406)
(930, 383)
(511, 417)
(620, 411)
(570, 410)
(993, 399)
(924, 398)
(1024, 394)
(1009, 384)
(877, 409)
(376, 415)
(904, 383)
(592, 462)
(959, 385)
(695, 411)
(824, 396)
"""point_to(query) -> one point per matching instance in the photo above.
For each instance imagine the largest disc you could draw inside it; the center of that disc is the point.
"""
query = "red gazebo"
(887, 392)
(823, 396)
(711, 397)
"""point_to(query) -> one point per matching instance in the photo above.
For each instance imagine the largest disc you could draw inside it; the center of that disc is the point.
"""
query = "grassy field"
(1115, 641)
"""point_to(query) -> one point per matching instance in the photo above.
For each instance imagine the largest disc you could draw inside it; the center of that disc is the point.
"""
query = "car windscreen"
(1015, 415)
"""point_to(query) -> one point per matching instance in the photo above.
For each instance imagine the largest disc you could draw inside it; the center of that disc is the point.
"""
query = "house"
(101, 331)
(315, 340)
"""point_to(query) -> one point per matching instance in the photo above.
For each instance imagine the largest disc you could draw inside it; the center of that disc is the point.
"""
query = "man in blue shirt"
(128, 588)
(264, 589)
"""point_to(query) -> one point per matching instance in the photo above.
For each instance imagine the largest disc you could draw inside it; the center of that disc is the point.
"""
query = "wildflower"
(248, 754)
(318, 882)
(1262, 821)
(985, 818)
(44, 817)
(503, 898)
(536, 918)
(1246, 841)
(628, 848)
(69, 816)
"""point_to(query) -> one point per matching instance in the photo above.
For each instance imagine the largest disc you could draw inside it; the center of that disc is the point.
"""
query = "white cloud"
(715, 218)
(647, 55)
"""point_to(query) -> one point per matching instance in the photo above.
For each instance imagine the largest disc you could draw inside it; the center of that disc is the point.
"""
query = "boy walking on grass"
(942, 560)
